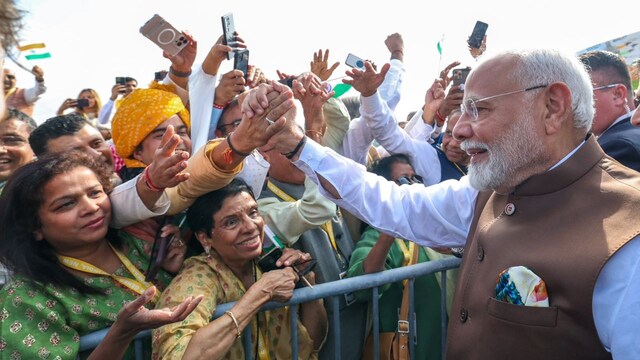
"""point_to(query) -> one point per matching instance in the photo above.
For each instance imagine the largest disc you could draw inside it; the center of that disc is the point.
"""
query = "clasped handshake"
(269, 115)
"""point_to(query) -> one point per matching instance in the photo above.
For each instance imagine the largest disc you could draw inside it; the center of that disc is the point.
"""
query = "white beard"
(509, 156)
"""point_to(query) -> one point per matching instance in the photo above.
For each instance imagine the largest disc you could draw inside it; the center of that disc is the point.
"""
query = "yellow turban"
(138, 115)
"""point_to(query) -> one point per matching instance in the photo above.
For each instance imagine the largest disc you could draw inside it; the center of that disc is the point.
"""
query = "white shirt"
(445, 211)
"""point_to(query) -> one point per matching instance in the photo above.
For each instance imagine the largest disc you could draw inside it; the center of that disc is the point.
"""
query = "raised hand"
(368, 80)
(452, 101)
(231, 84)
(183, 61)
(434, 98)
(444, 74)
(218, 53)
(134, 317)
(320, 65)
(167, 168)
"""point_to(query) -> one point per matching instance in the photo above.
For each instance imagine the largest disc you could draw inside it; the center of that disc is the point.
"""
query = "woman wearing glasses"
(377, 251)
(229, 227)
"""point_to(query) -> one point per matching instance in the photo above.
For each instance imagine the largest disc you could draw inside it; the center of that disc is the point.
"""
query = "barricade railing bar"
(328, 290)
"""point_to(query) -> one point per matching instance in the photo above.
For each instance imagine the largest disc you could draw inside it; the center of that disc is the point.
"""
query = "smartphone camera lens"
(360, 64)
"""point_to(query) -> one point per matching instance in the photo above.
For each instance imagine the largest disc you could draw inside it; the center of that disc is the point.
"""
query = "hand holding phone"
(82, 103)
(354, 62)
(163, 34)
(228, 30)
(459, 75)
(477, 35)
(241, 61)
(268, 261)
(159, 251)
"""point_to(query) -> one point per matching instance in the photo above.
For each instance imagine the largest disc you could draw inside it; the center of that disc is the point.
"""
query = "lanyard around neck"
(138, 285)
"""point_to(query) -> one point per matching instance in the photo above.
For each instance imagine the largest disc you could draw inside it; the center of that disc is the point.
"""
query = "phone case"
(354, 61)
(459, 76)
(241, 61)
(163, 34)
(477, 35)
(228, 28)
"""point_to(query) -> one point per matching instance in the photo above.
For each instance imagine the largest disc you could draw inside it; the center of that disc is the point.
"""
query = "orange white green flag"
(34, 51)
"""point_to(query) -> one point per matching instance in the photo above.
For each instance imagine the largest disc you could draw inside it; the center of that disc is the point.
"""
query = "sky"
(92, 42)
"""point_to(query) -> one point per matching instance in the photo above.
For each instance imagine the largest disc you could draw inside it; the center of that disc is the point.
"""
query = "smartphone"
(241, 61)
(82, 103)
(354, 61)
(159, 75)
(158, 251)
(268, 261)
(477, 35)
(459, 75)
(163, 34)
(121, 80)
(228, 28)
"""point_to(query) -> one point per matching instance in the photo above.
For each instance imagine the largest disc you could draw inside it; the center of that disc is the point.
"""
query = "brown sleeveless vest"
(563, 225)
(17, 101)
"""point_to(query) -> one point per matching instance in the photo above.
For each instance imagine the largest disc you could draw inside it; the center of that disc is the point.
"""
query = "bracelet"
(179, 73)
(234, 149)
(295, 151)
(148, 182)
(219, 107)
(395, 51)
(320, 134)
(235, 322)
(439, 116)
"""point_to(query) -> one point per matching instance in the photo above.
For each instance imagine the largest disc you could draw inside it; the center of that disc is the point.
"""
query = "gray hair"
(546, 66)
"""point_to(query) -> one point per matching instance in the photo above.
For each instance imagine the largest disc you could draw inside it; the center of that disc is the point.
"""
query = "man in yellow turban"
(140, 122)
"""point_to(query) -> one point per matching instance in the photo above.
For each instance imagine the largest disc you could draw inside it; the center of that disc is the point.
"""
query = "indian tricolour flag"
(34, 51)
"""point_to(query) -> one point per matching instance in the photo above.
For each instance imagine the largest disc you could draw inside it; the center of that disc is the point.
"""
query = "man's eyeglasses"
(405, 180)
(470, 108)
(234, 124)
(604, 87)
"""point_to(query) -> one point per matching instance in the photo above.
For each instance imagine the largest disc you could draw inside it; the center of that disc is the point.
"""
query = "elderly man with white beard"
(549, 222)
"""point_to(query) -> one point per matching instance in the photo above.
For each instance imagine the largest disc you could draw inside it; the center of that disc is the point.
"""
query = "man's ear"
(38, 235)
(558, 107)
(620, 95)
(137, 153)
(219, 134)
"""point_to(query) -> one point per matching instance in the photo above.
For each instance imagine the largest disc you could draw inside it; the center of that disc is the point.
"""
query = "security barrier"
(330, 291)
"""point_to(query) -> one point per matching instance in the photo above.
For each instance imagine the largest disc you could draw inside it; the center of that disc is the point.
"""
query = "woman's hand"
(176, 250)
(278, 284)
(291, 257)
(134, 317)
(320, 65)
(67, 104)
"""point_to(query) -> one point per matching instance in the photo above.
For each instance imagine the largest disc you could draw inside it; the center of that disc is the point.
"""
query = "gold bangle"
(235, 322)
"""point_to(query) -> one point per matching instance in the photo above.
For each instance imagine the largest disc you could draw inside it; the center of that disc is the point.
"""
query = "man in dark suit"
(613, 97)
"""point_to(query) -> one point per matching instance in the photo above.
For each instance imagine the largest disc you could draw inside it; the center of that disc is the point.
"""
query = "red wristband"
(147, 181)
(439, 116)
(220, 107)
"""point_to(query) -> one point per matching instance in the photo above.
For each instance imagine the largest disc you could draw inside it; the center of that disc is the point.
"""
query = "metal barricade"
(328, 290)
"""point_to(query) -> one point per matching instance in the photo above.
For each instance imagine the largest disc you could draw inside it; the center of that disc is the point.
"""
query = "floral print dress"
(212, 278)
(46, 322)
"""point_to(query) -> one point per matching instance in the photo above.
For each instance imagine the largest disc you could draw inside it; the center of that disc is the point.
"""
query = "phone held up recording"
(241, 61)
(163, 34)
(477, 35)
(354, 62)
(228, 29)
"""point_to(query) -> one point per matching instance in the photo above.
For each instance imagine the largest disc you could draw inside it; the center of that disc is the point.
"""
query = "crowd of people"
(149, 211)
